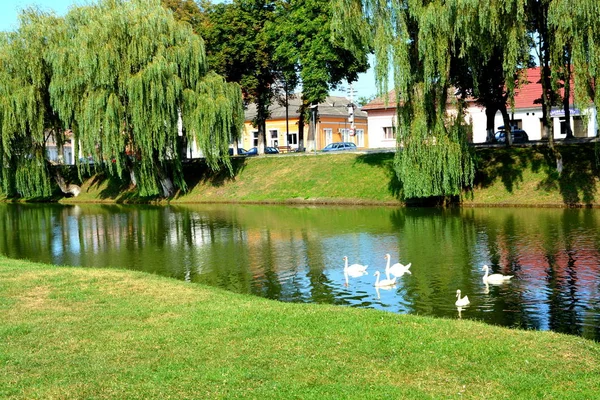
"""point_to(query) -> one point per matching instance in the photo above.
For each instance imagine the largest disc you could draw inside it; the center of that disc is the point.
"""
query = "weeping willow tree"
(129, 81)
(25, 111)
(576, 29)
(419, 39)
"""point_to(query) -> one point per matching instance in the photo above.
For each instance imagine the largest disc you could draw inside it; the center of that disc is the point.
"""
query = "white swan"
(494, 278)
(460, 302)
(354, 270)
(384, 282)
(397, 269)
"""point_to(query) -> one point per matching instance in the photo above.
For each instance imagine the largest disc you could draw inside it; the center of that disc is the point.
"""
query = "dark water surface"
(295, 254)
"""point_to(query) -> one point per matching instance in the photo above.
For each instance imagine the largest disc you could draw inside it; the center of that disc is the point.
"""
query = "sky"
(9, 11)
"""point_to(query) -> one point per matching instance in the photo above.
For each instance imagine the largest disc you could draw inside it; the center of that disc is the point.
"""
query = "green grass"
(505, 176)
(88, 333)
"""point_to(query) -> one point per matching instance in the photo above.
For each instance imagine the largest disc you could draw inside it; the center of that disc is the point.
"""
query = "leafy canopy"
(120, 74)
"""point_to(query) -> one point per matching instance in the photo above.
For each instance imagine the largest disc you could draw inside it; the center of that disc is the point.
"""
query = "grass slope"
(87, 333)
(515, 176)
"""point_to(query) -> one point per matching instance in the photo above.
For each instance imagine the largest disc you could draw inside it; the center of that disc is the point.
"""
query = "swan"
(494, 278)
(354, 270)
(397, 269)
(460, 302)
(384, 282)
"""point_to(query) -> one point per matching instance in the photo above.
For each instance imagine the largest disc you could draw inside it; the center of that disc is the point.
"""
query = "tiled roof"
(527, 96)
(380, 104)
(334, 106)
(530, 91)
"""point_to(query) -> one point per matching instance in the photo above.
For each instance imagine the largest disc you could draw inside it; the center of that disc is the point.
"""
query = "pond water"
(295, 254)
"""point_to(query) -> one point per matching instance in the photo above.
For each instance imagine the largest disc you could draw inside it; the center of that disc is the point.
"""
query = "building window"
(255, 138)
(274, 137)
(345, 134)
(328, 135)
(360, 137)
(389, 132)
(292, 139)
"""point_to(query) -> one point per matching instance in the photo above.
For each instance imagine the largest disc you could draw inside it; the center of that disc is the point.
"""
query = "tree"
(25, 107)
(121, 74)
(576, 30)
(304, 47)
(422, 40)
(239, 48)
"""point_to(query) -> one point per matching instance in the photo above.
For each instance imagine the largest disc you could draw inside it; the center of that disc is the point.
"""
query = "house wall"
(377, 121)
(336, 124)
(340, 131)
(530, 122)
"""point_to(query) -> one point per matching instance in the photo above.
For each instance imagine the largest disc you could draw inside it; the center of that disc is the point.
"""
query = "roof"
(527, 96)
(333, 106)
(530, 91)
(379, 103)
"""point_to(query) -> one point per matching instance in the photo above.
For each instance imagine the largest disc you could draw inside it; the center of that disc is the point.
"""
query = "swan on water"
(494, 278)
(460, 302)
(383, 282)
(397, 269)
(354, 270)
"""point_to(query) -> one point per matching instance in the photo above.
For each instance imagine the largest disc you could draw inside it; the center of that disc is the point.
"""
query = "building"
(527, 115)
(331, 122)
(382, 121)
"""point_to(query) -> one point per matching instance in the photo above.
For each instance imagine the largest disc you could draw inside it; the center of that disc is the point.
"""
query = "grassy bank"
(516, 176)
(87, 333)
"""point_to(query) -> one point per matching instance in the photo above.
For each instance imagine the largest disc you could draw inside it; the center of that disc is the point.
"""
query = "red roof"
(527, 96)
(379, 103)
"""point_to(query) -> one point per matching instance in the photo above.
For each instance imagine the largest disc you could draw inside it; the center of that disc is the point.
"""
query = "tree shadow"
(578, 179)
(198, 172)
(386, 162)
(576, 183)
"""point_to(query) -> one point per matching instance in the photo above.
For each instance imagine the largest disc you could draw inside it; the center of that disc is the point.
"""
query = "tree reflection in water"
(295, 254)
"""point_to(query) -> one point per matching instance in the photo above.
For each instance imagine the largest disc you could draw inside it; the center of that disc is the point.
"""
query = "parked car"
(241, 152)
(268, 150)
(518, 136)
(340, 146)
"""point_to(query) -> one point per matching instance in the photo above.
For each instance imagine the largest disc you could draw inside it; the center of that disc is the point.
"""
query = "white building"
(527, 115)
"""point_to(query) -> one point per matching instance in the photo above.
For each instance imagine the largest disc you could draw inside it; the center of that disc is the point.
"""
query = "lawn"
(90, 333)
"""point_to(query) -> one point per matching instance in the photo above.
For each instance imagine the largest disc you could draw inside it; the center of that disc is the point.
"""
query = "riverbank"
(517, 176)
(89, 333)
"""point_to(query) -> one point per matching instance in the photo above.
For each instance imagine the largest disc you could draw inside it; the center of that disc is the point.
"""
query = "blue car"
(340, 146)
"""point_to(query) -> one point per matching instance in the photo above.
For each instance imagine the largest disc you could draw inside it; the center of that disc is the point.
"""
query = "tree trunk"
(301, 128)
(70, 188)
(490, 114)
(507, 127)
(567, 97)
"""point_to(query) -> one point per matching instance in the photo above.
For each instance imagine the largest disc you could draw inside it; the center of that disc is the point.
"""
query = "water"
(294, 254)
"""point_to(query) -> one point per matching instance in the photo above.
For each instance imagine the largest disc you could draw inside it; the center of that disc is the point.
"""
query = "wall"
(379, 119)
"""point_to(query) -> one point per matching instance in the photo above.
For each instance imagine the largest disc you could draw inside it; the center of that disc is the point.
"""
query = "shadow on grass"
(386, 162)
(576, 184)
(198, 172)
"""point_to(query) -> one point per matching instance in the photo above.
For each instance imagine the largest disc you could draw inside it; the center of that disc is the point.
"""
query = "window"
(389, 133)
(345, 134)
(255, 140)
(273, 137)
(360, 137)
(328, 135)
(292, 139)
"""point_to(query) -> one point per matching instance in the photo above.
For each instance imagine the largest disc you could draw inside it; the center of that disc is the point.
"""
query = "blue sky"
(9, 11)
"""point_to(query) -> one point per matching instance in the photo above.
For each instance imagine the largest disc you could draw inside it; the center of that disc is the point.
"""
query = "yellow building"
(332, 125)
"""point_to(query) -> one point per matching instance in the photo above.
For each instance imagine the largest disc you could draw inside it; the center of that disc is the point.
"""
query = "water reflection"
(295, 254)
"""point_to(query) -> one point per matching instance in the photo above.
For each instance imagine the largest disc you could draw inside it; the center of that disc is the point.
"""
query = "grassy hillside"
(516, 176)
(88, 333)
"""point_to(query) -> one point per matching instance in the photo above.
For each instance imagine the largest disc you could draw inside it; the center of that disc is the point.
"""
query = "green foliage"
(577, 24)
(422, 40)
(120, 74)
